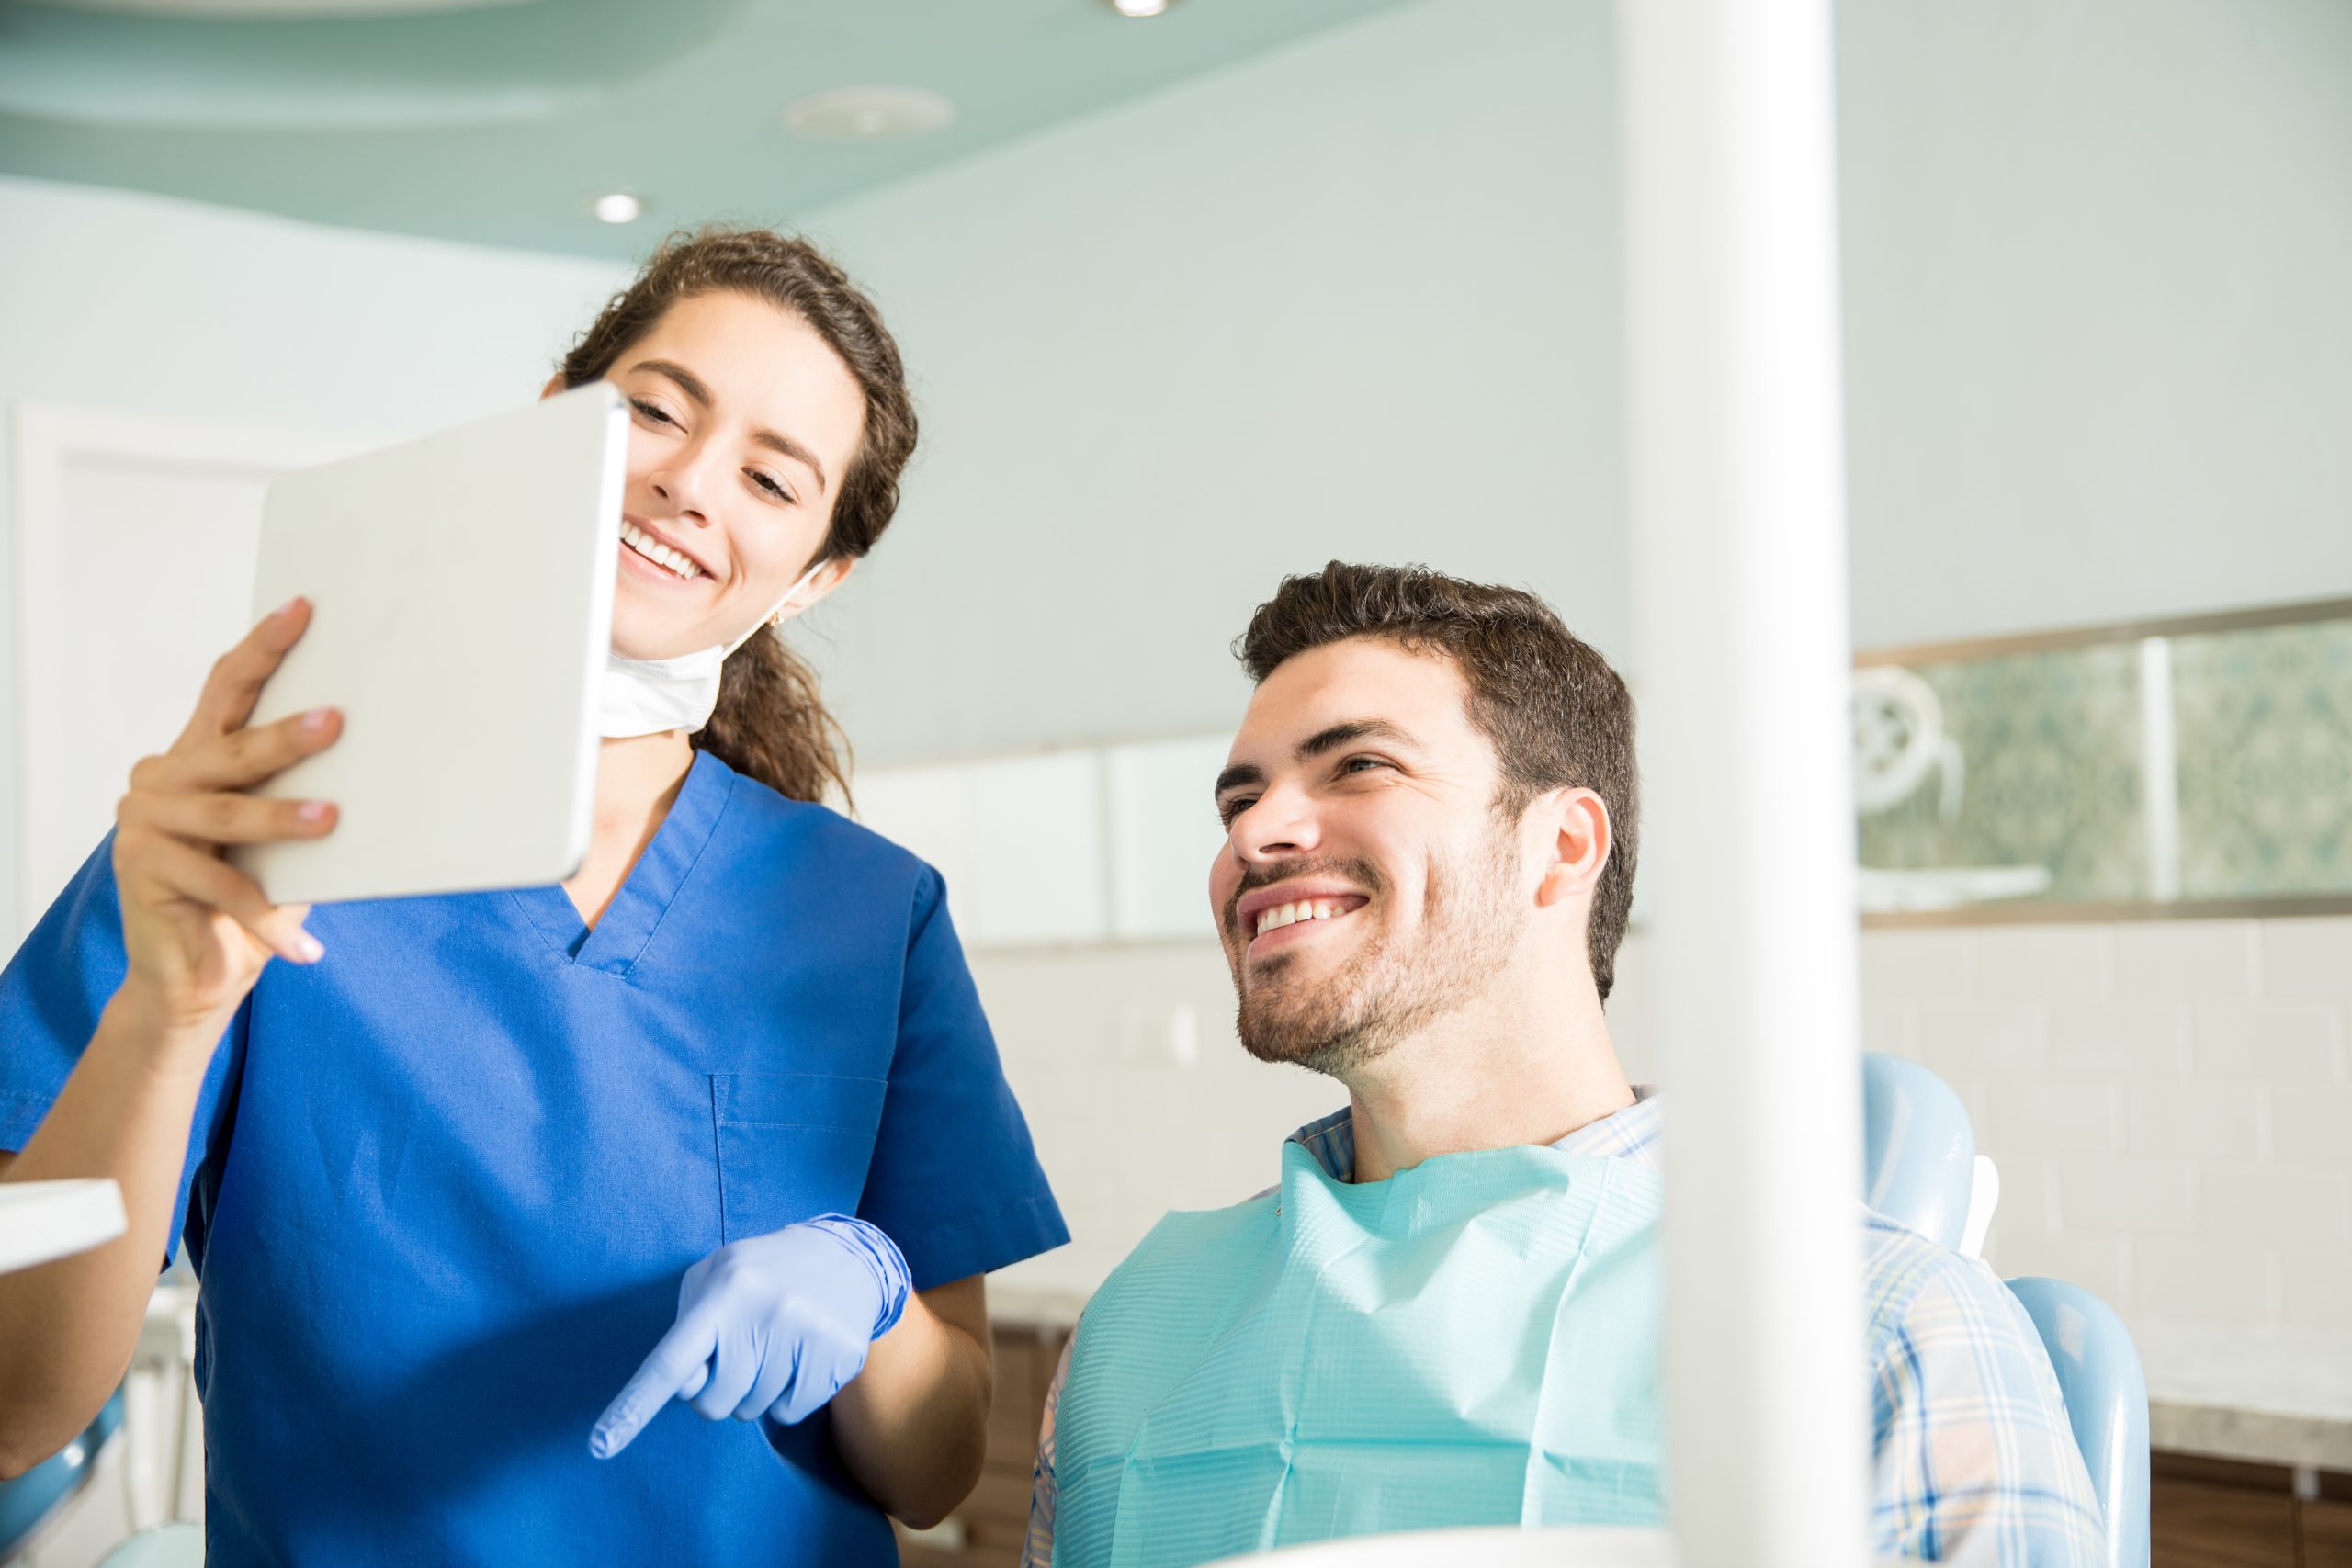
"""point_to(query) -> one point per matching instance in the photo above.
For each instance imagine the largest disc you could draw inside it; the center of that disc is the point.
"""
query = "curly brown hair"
(769, 722)
(1559, 715)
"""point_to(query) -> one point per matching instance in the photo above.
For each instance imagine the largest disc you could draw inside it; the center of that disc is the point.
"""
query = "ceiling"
(499, 121)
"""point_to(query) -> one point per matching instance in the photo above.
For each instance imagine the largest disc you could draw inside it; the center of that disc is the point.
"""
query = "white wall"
(167, 307)
(1360, 298)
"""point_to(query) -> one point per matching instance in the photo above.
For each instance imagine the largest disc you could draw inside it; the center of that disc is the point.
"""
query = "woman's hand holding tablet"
(196, 929)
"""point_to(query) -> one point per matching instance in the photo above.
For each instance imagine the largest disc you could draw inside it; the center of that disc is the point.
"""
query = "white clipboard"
(461, 591)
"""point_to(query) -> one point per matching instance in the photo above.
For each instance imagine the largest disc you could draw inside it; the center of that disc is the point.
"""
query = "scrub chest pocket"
(791, 1147)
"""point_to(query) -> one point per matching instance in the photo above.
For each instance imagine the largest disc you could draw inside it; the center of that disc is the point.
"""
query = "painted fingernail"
(316, 718)
(313, 810)
(308, 947)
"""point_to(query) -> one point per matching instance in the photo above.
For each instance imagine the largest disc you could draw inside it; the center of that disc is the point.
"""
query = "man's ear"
(1578, 822)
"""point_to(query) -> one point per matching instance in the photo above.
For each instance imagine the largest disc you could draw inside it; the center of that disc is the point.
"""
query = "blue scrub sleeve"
(955, 1180)
(51, 995)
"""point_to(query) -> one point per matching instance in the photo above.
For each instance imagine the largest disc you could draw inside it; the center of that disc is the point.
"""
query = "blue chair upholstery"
(1918, 1151)
(2107, 1403)
(1919, 1161)
(33, 1498)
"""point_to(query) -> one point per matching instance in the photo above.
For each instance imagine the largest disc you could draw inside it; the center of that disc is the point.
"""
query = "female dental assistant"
(478, 1185)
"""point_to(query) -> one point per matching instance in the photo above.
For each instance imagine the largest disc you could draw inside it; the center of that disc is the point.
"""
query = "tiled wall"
(2168, 1101)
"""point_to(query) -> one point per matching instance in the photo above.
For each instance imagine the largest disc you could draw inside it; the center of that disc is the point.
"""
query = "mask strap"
(774, 616)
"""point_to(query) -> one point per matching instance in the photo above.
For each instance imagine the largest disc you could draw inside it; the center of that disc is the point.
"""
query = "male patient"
(1449, 1312)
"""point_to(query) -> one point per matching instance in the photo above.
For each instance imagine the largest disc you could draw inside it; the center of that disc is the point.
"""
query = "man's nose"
(1280, 825)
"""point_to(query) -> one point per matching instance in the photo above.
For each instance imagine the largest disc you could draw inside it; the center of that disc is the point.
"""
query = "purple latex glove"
(772, 1325)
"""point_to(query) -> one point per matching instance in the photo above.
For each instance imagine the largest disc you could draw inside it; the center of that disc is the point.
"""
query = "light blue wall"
(166, 307)
(1356, 298)
(2098, 308)
(1360, 299)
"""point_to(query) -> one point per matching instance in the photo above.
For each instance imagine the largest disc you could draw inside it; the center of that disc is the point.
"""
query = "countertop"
(2271, 1396)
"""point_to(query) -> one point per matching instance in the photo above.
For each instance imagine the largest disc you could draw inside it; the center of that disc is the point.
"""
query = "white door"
(133, 561)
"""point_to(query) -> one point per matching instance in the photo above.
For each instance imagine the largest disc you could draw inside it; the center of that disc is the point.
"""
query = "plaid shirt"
(1975, 1460)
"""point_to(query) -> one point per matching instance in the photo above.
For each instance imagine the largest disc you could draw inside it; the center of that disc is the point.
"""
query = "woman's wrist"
(881, 1257)
(161, 1038)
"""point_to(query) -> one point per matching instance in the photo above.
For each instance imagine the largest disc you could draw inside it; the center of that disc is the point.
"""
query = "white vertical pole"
(1736, 479)
(2159, 770)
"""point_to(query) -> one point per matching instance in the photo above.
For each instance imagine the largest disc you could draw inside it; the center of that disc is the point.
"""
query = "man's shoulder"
(1184, 1237)
(1907, 1277)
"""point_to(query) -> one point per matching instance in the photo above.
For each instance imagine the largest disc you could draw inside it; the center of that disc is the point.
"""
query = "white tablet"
(461, 591)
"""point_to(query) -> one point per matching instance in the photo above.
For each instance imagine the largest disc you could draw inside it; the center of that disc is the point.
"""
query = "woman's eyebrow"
(695, 388)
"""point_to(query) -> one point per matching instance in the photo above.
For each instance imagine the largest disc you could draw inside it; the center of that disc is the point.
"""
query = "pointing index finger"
(676, 1363)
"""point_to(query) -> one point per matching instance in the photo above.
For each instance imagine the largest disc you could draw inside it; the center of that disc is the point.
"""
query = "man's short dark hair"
(1559, 715)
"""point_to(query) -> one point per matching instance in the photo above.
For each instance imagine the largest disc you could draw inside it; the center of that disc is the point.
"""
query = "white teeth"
(1283, 914)
(661, 555)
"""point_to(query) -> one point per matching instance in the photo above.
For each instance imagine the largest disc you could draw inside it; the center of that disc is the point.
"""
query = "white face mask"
(646, 697)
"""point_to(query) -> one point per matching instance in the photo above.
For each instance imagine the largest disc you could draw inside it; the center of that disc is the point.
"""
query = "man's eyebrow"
(1236, 775)
(695, 386)
(1349, 733)
(1315, 745)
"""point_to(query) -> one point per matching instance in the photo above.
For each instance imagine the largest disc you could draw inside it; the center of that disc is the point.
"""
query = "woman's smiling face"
(743, 423)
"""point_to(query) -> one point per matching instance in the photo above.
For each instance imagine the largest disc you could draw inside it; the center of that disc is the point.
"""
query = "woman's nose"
(682, 482)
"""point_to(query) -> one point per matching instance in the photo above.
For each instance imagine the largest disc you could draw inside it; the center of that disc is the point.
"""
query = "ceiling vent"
(868, 114)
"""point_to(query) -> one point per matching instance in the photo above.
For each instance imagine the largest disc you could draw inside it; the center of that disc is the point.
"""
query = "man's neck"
(1486, 1079)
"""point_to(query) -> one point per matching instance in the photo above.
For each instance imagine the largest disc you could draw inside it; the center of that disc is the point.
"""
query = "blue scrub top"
(442, 1185)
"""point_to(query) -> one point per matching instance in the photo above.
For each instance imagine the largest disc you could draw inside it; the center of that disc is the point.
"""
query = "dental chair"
(1919, 1161)
(1920, 1168)
(30, 1501)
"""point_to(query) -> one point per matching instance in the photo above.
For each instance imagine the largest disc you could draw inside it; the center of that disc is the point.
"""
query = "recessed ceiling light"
(1139, 8)
(868, 114)
(617, 206)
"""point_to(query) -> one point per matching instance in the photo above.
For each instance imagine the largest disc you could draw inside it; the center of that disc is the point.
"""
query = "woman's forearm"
(67, 1328)
(912, 1427)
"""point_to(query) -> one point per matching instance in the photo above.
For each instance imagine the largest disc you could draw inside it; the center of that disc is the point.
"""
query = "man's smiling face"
(1367, 884)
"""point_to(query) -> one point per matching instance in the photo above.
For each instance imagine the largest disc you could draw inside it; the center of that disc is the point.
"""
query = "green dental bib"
(1473, 1341)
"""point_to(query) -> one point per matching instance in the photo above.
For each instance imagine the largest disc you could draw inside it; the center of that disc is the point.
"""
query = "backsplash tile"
(2142, 1197)
(2175, 1137)
(2200, 1120)
(2312, 1124)
(2293, 1205)
(2053, 962)
(2184, 959)
(2170, 1105)
(2220, 1283)
(2118, 1038)
(2318, 1291)
(2277, 1041)
(2306, 958)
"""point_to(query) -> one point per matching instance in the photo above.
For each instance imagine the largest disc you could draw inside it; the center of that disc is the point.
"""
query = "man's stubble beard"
(1385, 994)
